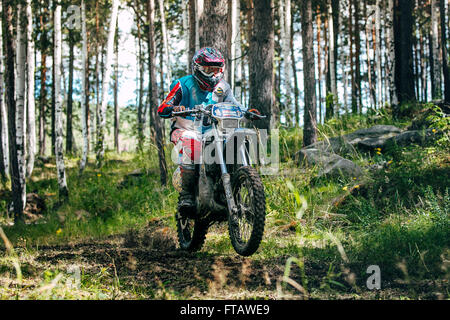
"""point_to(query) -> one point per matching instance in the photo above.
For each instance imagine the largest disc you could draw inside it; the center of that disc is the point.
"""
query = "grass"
(398, 218)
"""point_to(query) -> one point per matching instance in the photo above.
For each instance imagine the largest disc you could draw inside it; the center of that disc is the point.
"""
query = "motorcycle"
(229, 188)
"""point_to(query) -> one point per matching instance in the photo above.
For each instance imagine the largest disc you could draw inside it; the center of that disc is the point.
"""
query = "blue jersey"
(186, 92)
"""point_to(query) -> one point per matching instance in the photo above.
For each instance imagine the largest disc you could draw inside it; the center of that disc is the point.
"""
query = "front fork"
(226, 179)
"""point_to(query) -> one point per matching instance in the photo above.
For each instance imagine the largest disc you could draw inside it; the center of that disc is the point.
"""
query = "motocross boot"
(186, 200)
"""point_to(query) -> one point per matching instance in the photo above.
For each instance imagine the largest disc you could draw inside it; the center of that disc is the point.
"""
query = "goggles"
(210, 70)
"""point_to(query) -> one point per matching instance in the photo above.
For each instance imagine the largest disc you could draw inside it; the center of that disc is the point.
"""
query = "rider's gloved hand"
(255, 111)
(178, 109)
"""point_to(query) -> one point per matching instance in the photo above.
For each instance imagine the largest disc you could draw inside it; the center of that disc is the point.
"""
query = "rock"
(365, 139)
(371, 138)
(331, 165)
(420, 137)
(338, 145)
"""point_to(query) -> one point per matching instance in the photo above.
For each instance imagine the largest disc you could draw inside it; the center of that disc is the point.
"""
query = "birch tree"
(436, 79)
(83, 88)
(285, 27)
(165, 40)
(390, 44)
(59, 150)
(4, 157)
(105, 84)
(8, 38)
(238, 53)
(31, 108)
(20, 98)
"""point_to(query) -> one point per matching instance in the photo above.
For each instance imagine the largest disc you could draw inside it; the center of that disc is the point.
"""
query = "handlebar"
(206, 110)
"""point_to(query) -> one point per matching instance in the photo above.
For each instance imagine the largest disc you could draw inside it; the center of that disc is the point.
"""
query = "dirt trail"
(149, 260)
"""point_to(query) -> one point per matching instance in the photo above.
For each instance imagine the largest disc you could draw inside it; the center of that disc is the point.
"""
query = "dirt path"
(149, 262)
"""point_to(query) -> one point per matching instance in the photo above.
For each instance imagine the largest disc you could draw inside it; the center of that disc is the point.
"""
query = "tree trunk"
(404, 77)
(285, 22)
(154, 92)
(192, 31)
(238, 55)
(332, 58)
(105, 84)
(52, 120)
(31, 108)
(165, 41)
(309, 116)
(357, 88)
(215, 17)
(261, 61)
(69, 134)
(369, 59)
(199, 8)
(391, 65)
(140, 121)
(3, 116)
(43, 80)
(445, 67)
(116, 92)
(319, 61)
(84, 89)
(59, 150)
(377, 40)
(294, 72)
(16, 182)
(20, 97)
(437, 92)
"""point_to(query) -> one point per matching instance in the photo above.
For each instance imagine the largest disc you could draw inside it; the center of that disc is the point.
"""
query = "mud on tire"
(248, 193)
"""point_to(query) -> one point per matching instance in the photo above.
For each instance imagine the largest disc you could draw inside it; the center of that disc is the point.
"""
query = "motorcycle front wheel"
(246, 227)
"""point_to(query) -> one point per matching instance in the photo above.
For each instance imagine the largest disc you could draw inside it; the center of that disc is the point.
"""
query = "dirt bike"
(229, 188)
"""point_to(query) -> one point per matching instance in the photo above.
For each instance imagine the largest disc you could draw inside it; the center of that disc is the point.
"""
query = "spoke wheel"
(191, 233)
(246, 227)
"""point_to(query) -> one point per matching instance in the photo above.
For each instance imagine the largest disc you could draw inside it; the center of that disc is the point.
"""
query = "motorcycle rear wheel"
(246, 228)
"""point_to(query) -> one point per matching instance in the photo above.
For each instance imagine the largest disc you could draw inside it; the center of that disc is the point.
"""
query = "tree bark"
(154, 92)
(391, 65)
(4, 166)
(8, 38)
(59, 150)
(215, 17)
(105, 84)
(445, 67)
(285, 22)
(116, 92)
(261, 61)
(437, 92)
(332, 57)
(84, 89)
(43, 80)
(309, 116)
(165, 41)
(31, 108)
(69, 134)
(404, 76)
(21, 123)
(192, 31)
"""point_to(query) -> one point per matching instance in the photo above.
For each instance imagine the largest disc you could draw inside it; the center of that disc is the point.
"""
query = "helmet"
(207, 68)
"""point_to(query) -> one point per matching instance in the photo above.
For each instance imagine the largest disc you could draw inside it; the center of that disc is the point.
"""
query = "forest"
(353, 95)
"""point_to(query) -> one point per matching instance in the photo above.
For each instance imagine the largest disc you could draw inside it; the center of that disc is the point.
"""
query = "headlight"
(230, 123)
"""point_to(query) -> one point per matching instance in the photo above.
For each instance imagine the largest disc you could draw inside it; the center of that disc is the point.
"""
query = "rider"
(205, 86)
